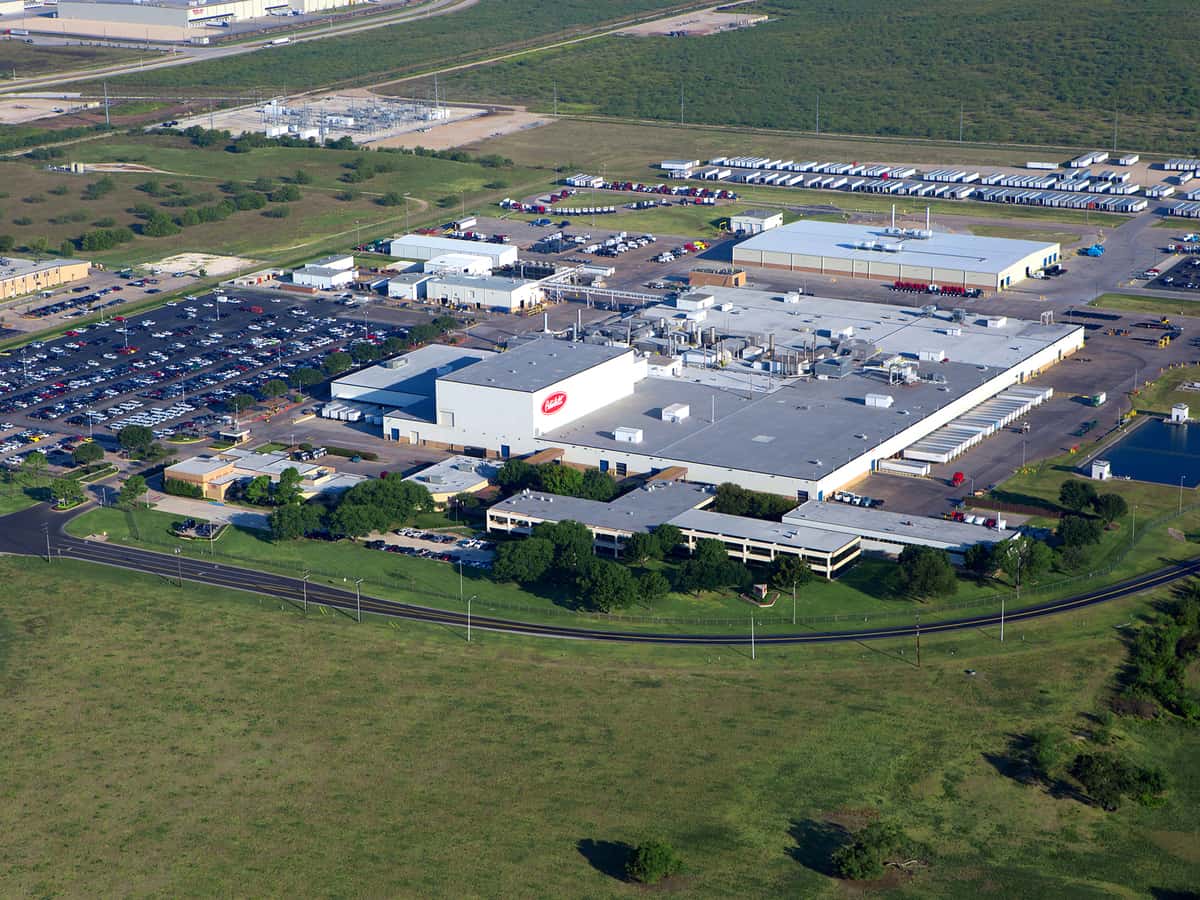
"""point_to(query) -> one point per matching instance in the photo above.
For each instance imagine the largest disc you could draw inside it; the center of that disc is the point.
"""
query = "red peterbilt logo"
(554, 403)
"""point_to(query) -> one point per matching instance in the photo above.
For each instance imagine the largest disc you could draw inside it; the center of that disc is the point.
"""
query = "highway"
(39, 532)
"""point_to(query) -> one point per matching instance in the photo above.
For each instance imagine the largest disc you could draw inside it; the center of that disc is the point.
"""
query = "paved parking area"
(1183, 276)
(101, 291)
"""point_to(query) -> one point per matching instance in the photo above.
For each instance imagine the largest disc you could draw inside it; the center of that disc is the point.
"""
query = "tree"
(294, 521)
(1043, 753)
(258, 491)
(711, 568)
(980, 559)
(1022, 557)
(273, 388)
(1079, 531)
(34, 464)
(302, 177)
(287, 489)
(240, 402)
(926, 572)
(524, 562)
(337, 362)
(1108, 779)
(652, 861)
(1075, 494)
(305, 377)
(131, 491)
(364, 352)
(287, 193)
(88, 453)
(863, 857)
(605, 585)
(559, 479)
(641, 546)
(66, 248)
(669, 537)
(391, 198)
(597, 485)
(7, 242)
(1110, 507)
(516, 475)
(572, 544)
(135, 438)
(66, 491)
(653, 586)
(789, 572)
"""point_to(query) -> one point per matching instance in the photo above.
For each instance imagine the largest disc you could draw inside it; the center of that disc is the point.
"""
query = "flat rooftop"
(482, 282)
(799, 536)
(642, 509)
(416, 372)
(15, 266)
(456, 474)
(533, 365)
(879, 523)
(455, 245)
(199, 466)
(805, 429)
(944, 250)
(894, 329)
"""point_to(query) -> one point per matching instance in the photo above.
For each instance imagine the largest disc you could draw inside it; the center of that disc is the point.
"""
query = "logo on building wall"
(554, 403)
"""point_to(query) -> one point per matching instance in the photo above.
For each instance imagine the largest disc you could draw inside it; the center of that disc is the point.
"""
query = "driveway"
(211, 511)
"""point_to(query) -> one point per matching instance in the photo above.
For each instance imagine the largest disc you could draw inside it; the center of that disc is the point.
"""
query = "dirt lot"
(28, 109)
(695, 24)
(214, 266)
(466, 131)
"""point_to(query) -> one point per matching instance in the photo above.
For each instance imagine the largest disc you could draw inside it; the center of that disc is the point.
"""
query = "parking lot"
(104, 292)
(172, 369)
(1183, 276)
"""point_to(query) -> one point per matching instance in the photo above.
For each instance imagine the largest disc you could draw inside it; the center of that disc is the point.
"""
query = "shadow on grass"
(607, 857)
(1013, 764)
(815, 843)
(1171, 894)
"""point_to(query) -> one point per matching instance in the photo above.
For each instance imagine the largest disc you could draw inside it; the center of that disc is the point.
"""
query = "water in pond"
(1159, 452)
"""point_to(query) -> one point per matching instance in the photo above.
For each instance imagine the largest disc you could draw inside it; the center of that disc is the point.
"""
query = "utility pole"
(753, 653)
(918, 640)
(460, 581)
(469, 599)
(107, 122)
(304, 587)
(556, 98)
(793, 603)
(179, 562)
(358, 597)
(46, 532)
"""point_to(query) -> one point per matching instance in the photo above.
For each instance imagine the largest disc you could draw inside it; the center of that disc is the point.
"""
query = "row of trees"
(735, 500)
(591, 484)
(377, 504)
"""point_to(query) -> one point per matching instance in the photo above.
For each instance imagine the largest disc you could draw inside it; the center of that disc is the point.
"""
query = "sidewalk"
(210, 511)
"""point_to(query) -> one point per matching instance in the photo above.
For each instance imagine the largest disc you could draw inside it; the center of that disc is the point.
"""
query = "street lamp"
(469, 599)
(304, 587)
(179, 563)
(358, 597)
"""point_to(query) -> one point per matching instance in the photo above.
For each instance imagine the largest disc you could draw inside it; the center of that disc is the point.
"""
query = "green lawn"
(22, 492)
(1157, 305)
(30, 60)
(193, 741)
(1164, 393)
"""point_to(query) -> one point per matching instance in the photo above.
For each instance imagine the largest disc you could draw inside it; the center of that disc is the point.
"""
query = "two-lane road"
(35, 531)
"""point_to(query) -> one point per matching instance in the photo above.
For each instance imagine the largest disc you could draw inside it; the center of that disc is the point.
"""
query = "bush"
(863, 857)
(277, 212)
(179, 488)
(652, 861)
(287, 193)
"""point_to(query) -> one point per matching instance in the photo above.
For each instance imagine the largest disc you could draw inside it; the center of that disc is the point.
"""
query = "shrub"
(182, 488)
(652, 861)
(278, 212)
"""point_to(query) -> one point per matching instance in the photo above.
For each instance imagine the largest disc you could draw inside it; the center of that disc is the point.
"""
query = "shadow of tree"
(1014, 764)
(606, 857)
(815, 843)
(1159, 893)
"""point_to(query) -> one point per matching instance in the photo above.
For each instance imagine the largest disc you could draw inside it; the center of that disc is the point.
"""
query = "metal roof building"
(425, 246)
(886, 254)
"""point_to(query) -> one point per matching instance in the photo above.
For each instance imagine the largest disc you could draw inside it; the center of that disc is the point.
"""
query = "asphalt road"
(39, 532)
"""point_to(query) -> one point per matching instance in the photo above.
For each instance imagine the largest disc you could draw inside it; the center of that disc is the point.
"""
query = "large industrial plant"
(789, 394)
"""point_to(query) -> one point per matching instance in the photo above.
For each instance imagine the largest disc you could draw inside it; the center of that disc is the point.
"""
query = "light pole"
(793, 603)
(179, 563)
(753, 653)
(304, 587)
(46, 532)
(358, 597)
(460, 580)
(469, 599)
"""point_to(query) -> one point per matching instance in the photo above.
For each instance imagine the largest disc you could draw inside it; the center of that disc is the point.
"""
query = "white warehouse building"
(508, 294)
(802, 429)
(326, 274)
(424, 246)
(892, 254)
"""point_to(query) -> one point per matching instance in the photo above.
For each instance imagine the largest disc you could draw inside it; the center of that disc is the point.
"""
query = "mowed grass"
(1167, 306)
(632, 151)
(29, 60)
(1164, 393)
(22, 491)
(317, 218)
(868, 592)
(193, 741)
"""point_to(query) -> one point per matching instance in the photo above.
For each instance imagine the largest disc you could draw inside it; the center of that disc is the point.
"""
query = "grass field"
(313, 221)
(22, 492)
(393, 51)
(1164, 393)
(866, 64)
(192, 741)
(1136, 303)
(633, 150)
(869, 589)
(28, 60)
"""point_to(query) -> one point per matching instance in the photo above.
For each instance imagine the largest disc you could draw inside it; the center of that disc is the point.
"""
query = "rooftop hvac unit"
(676, 412)
(879, 401)
(932, 355)
(628, 435)
(398, 362)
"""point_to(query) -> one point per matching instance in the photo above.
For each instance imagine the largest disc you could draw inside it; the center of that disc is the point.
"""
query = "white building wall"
(323, 282)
